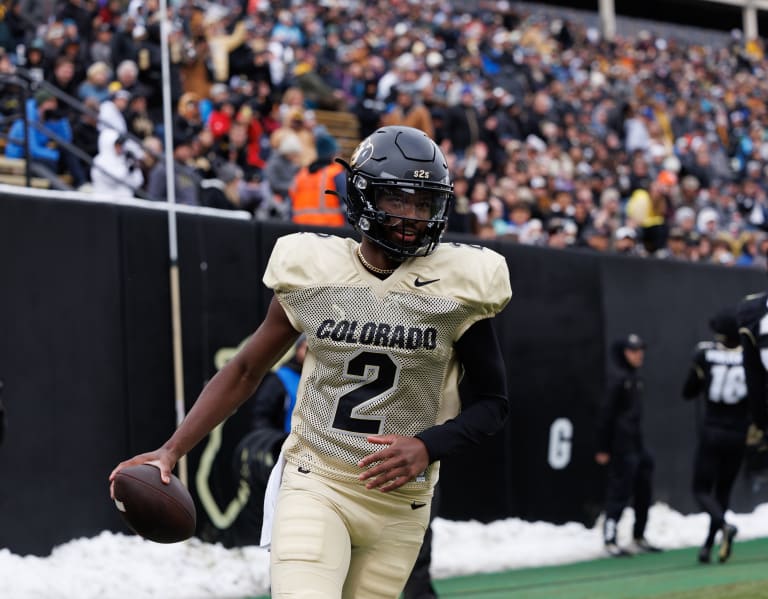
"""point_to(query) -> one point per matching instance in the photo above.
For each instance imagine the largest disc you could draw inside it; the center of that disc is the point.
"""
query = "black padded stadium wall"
(61, 363)
(87, 365)
(551, 335)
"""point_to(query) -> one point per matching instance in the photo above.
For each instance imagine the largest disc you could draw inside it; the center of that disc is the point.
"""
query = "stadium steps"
(12, 172)
(343, 126)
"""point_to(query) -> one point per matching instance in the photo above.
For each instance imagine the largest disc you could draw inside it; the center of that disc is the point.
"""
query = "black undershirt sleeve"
(485, 412)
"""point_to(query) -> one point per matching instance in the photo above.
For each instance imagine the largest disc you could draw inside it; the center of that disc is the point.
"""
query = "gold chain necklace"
(371, 267)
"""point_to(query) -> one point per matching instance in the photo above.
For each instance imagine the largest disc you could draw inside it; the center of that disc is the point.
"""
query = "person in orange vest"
(310, 204)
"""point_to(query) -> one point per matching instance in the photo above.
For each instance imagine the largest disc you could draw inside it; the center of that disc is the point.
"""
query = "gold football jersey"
(380, 356)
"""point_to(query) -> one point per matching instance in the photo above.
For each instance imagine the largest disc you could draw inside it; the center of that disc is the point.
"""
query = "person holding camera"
(115, 171)
(49, 132)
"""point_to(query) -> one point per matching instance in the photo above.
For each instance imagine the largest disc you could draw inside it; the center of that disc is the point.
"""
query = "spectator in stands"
(86, 131)
(187, 181)
(10, 90)
(222, 37)
(19, 26)
(407, 110)
(282, 168)
(187, 121)
(625, 242)
(368, 108)
(115, 171)
(63, 77)
(123, 45)
(462, 123)
(223, 191)
(310, 204)
(195, 66)
(677, 246)
(48, 133)
(96, 84)
(295, 124)
(34, 59)
(291, 101)
(240, 150)
(218, 111)
(127, 75)
(101, 47)
(649, 210)
(112, 110)
(137, 117)
(317, 93)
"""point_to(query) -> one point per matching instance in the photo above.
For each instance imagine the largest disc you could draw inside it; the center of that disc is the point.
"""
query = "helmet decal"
(362, 153)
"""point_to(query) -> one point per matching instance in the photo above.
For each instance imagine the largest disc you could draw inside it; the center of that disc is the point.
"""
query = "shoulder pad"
(751, 308)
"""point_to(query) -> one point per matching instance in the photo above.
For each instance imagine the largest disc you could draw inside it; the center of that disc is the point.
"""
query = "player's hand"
(161, 458)
(602, 458)
(399, 462)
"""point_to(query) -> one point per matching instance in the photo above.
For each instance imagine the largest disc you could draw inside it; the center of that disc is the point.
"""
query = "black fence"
(86, 363)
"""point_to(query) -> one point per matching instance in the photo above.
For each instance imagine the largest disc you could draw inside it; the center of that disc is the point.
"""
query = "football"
(156, 511)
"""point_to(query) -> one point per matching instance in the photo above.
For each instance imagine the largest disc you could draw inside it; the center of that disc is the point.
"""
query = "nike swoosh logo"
(304, 470)
(417, 504)
(419, 283)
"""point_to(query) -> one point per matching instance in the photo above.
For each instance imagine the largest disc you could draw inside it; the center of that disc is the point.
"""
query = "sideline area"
(671, 574)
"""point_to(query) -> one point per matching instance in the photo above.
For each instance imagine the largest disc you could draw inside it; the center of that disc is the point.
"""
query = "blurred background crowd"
(645, 144)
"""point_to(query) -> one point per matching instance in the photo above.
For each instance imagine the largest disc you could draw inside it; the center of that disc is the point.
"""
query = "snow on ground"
(118, 566)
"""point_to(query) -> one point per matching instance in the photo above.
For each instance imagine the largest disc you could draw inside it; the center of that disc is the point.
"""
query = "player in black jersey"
(753, 328)
(753, 325)
(717, 375)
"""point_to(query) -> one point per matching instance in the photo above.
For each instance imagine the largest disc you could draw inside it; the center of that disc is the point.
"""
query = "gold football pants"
(333, 540)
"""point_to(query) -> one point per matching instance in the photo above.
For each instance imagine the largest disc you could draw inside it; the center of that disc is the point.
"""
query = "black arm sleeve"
(486, 411)
(694, 381)
(756, 381)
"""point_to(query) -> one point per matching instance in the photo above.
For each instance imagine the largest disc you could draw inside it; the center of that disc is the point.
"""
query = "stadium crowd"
(641, 145)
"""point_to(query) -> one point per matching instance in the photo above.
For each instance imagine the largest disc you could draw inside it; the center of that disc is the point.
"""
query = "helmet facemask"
(405, 218)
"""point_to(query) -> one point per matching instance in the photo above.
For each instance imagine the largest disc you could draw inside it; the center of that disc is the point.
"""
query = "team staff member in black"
(620, 447)
(717, 374)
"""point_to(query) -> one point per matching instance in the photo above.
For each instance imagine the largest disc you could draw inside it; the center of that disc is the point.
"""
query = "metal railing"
(28, 85)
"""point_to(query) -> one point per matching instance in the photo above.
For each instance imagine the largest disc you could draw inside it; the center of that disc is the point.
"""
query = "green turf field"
(669, 575)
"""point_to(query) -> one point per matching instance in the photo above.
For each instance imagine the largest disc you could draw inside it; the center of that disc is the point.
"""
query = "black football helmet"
(402, 163)
(725, 326)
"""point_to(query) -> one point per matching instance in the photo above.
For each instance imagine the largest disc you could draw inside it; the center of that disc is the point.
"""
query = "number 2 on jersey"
(378, 373)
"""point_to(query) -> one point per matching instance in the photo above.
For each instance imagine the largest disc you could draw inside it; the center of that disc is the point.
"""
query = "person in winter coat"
(115, 171)
(45, 127)
(621, 450)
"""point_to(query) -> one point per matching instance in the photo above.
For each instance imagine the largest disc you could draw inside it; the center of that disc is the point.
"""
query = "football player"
(391, 324)
(753, 333)
(717, 374)
(753, 329)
